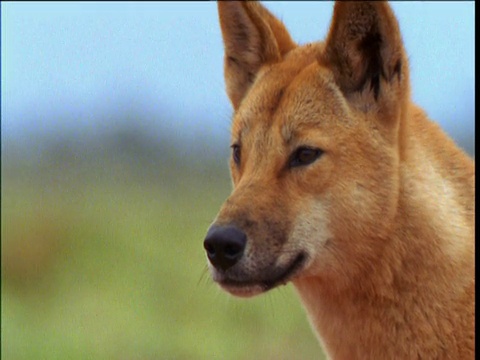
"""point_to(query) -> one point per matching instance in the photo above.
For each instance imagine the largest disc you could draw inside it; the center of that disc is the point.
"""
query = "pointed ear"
(364, 49)
(252, 37)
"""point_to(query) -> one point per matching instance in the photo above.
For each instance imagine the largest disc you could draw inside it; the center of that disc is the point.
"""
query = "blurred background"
(115, 140)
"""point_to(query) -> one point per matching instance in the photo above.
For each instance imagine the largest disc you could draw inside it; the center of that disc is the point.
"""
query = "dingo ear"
(252, 37)
(364, 49)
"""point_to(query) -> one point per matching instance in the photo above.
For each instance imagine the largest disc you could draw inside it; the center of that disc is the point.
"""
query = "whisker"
(203, 277)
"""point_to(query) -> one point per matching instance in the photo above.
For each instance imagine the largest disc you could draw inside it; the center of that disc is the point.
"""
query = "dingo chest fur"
(342, 186)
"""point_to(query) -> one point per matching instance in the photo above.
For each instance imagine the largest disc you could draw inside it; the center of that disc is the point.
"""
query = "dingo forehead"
(294, 94)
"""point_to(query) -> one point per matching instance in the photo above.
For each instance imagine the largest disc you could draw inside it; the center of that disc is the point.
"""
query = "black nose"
(224, 245)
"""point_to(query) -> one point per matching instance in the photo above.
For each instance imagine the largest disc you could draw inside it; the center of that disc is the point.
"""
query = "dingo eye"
(236, 153)
(304, 156)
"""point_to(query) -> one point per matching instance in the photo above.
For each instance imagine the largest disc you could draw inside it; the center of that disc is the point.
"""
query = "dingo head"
(315, 143)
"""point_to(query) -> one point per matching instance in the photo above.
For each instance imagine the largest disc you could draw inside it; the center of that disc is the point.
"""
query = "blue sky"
(66, 66)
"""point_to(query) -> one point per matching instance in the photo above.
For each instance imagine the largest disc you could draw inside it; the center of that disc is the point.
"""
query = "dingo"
(345, 188)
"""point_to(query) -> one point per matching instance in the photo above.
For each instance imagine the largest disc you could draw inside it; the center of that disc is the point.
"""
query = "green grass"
(98, 265)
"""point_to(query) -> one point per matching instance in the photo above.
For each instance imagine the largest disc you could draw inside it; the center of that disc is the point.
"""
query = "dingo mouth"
(251, 287)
